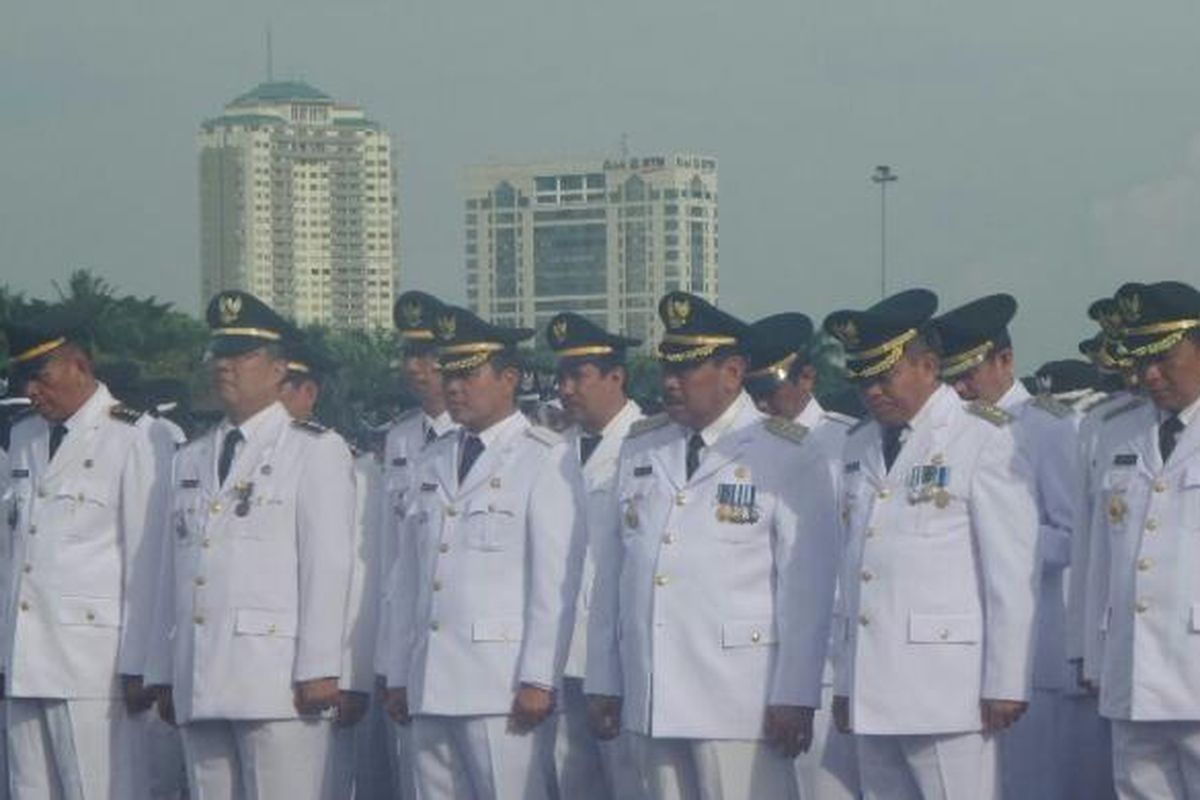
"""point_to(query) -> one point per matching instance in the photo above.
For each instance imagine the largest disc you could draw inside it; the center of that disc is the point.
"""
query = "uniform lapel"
(923, 439)
(257, 449)
(599, 466)
(729, 446)
(1185, 447)
(80, 435)
(670, 457)
(492, 457)
(1145, 444)
(871, 462)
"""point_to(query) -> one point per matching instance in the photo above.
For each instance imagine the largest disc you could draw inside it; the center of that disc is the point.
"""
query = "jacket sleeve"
(157, 669)
(1058, 492)
(362, 606)
(400, 615)
(805, 543)
(1004, 519)
(142, 536)
(556, 543)
(325, 536)
(603, 672)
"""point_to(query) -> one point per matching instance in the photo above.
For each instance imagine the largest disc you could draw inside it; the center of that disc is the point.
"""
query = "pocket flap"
(944, 628)
(747, 633)
(99, 612)
(1191, 476)
(496, 630)
(259, 622)
(1194, 627)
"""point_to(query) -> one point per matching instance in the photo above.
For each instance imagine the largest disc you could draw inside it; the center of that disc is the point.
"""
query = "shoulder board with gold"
(784, 428)
(123, 413)
(309, 426)
(1136, 402)
(993, 414)
(1052, 405)
(405, 416)
(647, 424)
(543, 435)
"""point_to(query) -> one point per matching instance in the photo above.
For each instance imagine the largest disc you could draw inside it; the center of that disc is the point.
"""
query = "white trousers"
(1156, 760)
(959, 766)
(1032, 763)
(477, 758)
(829, 770)
(259, 760)
(73, 749)
(705, 769)
(587, 768)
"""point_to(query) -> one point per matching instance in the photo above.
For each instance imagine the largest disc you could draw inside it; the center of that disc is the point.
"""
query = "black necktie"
(471, 449)
(892, 444)
(694, 446)
(57, 432)
(1168, 434)
(430, 434)
(228, 448)
(587, 446)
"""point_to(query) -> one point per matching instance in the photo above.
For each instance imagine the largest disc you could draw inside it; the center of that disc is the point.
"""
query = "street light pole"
(883, 176)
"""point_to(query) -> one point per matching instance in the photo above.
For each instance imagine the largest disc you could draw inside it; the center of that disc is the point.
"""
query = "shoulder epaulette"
(647, 424)
(784, 428)
(843, 419)
(543, 435)
(409, 414)
(309, 426)
(1135, 402)
(993, 414)
(124, 413)
(858, 426)
(1052, 405)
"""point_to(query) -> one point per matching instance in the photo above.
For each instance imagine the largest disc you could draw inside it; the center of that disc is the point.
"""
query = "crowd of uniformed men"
(980, 589)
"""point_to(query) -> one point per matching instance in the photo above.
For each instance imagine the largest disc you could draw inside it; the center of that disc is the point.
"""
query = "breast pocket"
(1191, 497)
(265, 514)
(492, 523)
(83, 506)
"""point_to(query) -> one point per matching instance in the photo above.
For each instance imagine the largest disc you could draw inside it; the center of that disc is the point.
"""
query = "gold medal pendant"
(723, 513)
(631, 517)
(1116, 509)
(941, 498)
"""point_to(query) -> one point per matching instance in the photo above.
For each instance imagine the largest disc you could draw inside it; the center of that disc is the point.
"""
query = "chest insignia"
(735, 503)
(929, 482)
(1117, 509)
(1125, 460)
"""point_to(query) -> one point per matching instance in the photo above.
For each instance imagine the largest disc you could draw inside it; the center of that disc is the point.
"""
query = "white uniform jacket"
(715, 602)
(1148, 517)
(362, 606)
(82, 574)
(598, 476)
(406, 441)
(1045, 433)
(488, 572)
(255, 584)
(939, 572)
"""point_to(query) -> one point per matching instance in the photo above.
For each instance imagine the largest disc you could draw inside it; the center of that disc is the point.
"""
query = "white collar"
(255, 426)
(441, 424)
(1187, 416)
(500, 430)
(1015, 396)
(811, 416)
(89, 410)
(721, 424)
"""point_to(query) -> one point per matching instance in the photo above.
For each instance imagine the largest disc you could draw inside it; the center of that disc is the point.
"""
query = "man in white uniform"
(710, 616)
(86, 489)
(781, 381)
(1148, 511)
(938, 583)
(488, 574)
(252, 602)
(591, 385)
(977, 360)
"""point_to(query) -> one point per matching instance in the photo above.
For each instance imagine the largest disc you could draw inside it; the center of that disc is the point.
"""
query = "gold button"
(1151, 524)
(943, 634)
(205, 542)
(90, 616)
(1142, 607)
(451, 511)
(491, 508)
(41, 492)
(885, 493)
(1160, 486)
(198, 619)
(866, 575)
(668, 538)
(661, 580)
(444, 547)
(680, 499)
(32, 529)
(870, 531)
(272, 628)
(215, 508)
(864, 620)
(433, 626)
(755, 636)
(24, 606)
(437, 586)
(200, 581)
(1143, 564)
(494, 483)
(28, 568)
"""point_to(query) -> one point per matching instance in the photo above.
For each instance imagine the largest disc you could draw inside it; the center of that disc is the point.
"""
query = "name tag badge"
(852, 467)
(20, 473)
(428, 487)
(735, 503)
(1125, 460)
(399, 461)
(643, 471)
(189, 483)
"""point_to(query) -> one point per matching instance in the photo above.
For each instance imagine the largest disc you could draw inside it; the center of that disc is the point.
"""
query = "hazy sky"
(1048, 149)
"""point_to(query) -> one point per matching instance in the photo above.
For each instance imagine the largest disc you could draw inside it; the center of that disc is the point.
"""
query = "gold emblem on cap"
(846, 332)
(678, 311)
(558, 330)
(411, 311)
(447, 326)
(1131, 306)
(1111, 322)
(229, 307)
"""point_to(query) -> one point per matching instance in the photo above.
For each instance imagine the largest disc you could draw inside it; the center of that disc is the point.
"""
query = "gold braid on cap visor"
(416, 333)
(956, 365)
(777, 370)
(296, 366)
(256, 333)
(591, 350)
(893, 348)
(702, 346)
(1175, 330)
(39, 350)
(476, 354)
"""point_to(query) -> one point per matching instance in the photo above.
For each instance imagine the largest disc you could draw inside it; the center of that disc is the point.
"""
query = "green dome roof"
(278, 91)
